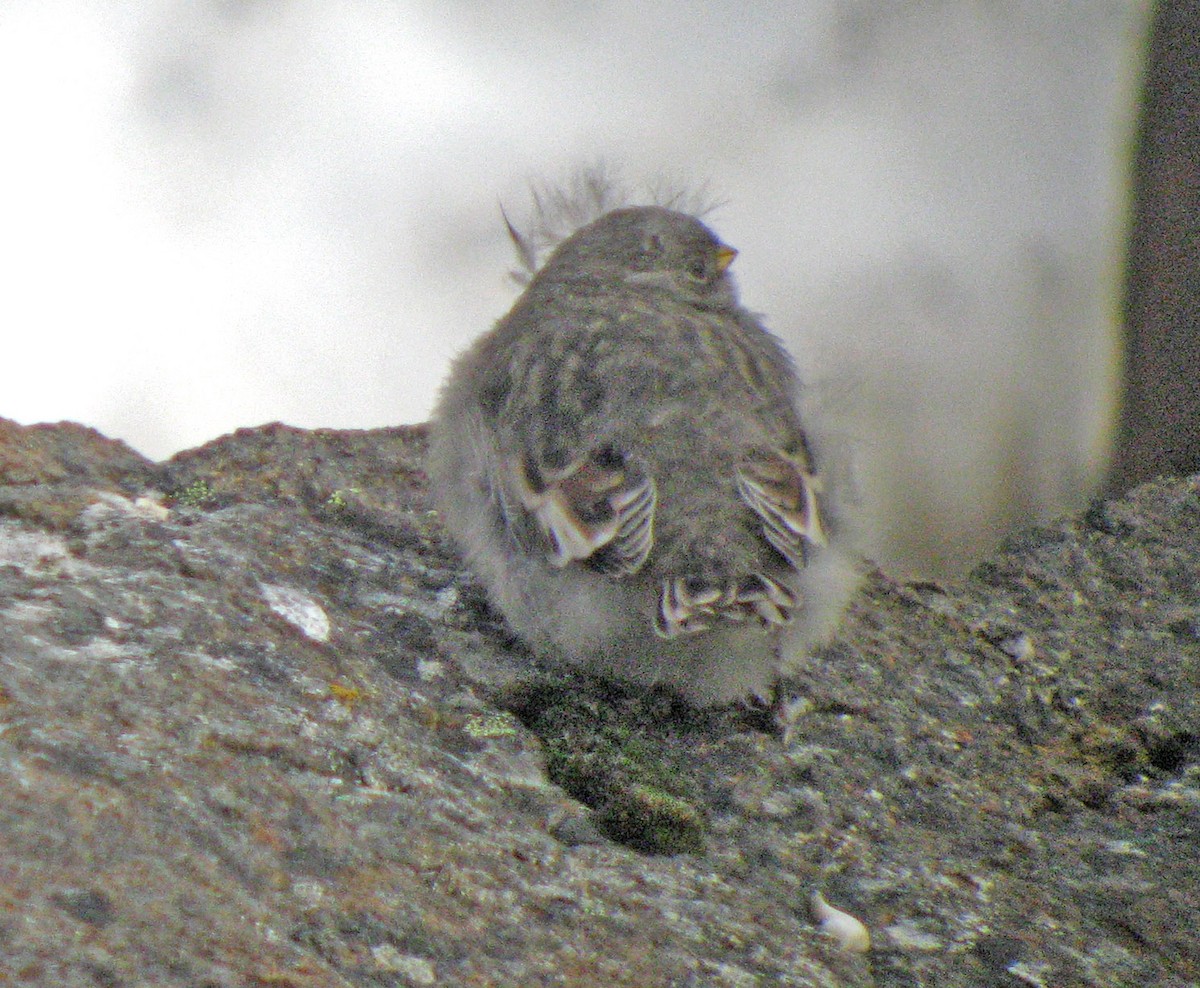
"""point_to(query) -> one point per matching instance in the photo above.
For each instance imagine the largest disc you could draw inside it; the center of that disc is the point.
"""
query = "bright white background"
(216, 213)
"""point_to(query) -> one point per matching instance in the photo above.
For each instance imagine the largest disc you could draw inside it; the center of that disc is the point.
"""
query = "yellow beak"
(725, 256)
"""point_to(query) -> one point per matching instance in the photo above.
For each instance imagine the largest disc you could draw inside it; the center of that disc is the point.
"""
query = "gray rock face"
(257, 726)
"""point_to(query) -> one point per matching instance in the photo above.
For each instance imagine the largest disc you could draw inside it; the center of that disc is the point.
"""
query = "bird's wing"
(569, 486)
(687, 604)
(784, 493)
(781, 489)
(598, 510)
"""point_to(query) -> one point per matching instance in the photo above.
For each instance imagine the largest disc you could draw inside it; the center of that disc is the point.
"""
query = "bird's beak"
(725, 256)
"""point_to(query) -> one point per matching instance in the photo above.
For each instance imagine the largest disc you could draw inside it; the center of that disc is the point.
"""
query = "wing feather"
(597, 510)
(783, 492)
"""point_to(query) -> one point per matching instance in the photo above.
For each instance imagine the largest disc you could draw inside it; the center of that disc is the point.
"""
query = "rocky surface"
(257, 727)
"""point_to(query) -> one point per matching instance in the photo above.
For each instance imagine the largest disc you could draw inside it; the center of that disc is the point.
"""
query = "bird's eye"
(698, 270)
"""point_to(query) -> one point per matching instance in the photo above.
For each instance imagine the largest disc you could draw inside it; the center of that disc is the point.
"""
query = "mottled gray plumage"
(622, 461)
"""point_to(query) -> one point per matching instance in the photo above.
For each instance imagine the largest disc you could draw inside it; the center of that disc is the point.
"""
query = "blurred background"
(217, 213)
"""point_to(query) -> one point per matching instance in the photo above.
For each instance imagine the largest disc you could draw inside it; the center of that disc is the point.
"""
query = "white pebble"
(298, 609)
(850, 933)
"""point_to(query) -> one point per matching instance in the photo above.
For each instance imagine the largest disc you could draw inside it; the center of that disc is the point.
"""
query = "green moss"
(488, 726)
(598, 753)
(194, 495)
(652, 820)
(338, 498)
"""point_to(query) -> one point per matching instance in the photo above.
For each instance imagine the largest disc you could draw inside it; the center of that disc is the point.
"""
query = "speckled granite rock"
(257, 727)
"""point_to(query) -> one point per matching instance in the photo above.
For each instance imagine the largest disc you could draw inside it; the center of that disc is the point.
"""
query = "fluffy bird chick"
(622, 461)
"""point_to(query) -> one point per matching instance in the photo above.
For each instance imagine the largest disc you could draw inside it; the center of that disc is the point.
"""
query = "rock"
(258, 726)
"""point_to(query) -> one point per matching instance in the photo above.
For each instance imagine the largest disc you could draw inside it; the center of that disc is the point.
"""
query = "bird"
(622, 462)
